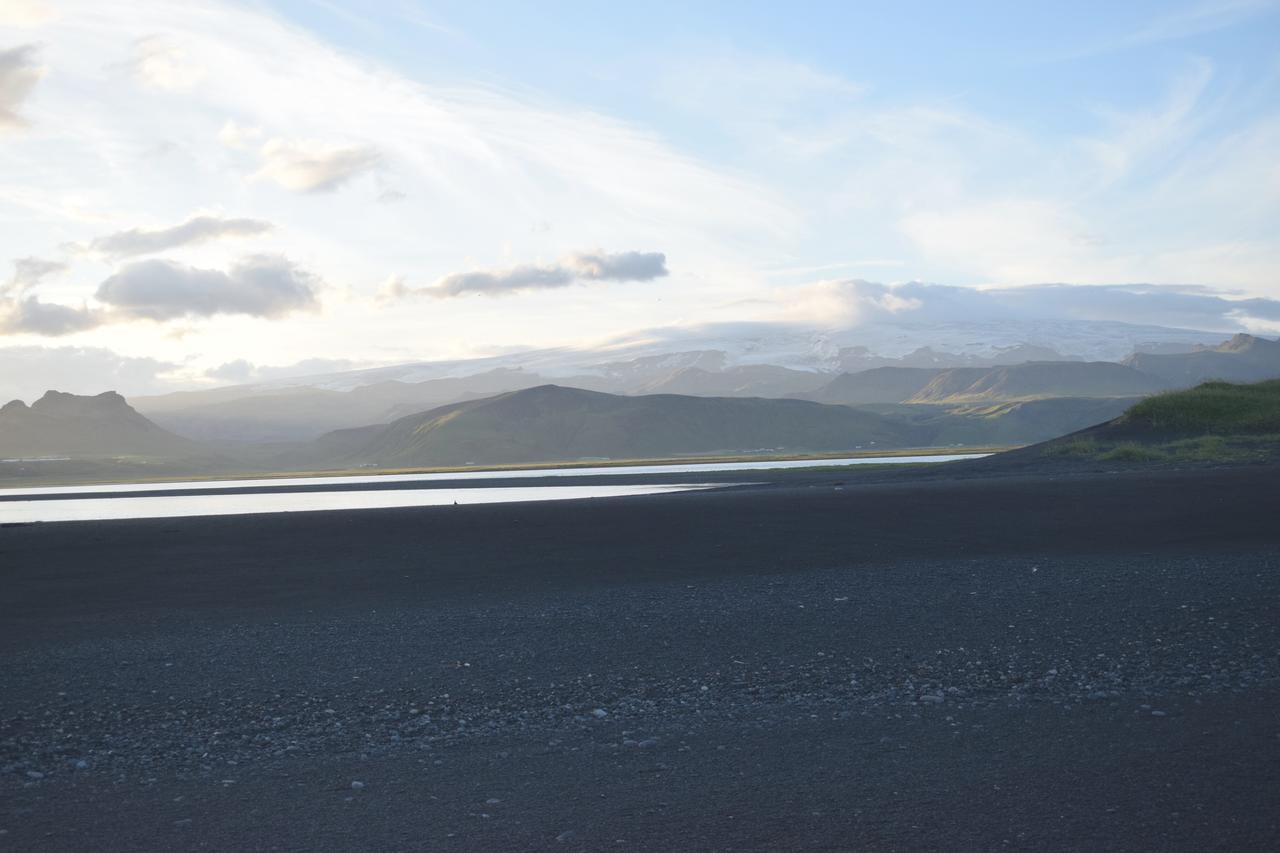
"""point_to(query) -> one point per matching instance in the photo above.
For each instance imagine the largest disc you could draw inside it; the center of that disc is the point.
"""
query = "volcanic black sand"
(1014, 663)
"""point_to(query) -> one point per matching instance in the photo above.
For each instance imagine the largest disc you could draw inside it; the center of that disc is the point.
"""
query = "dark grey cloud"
(30, 316)
(493, 283)
(198, 229)
(577, 267)
(19, 74)
(28, 272)
(26, 372)
(623, 266)
(258, 286)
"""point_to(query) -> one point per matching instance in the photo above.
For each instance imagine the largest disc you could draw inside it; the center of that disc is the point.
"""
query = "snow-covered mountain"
(798, 347)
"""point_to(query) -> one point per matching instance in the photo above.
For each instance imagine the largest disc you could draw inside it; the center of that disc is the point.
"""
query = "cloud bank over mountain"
(856, 302)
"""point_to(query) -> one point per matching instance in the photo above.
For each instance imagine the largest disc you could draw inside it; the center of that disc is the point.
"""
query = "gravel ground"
(794, 669)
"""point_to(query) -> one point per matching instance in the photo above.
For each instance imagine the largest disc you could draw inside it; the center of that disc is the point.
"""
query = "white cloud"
(197, 229)
(239, 136)
(308, 167)
(25, 13)
(258, 286)
(160, 63)
(19, 74)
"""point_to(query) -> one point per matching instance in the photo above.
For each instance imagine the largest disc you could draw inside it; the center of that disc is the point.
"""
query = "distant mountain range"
(510, 416)
(1244, 358)
(303, 409)
(1033, 380)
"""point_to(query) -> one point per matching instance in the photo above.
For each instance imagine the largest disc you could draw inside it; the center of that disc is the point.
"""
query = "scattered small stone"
(1158, 714)
(599, 713)
(34, 774)
(567, 835)
(492, 801)
(356, 786)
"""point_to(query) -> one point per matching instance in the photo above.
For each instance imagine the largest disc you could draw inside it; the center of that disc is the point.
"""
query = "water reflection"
(178, 506)
(448, 476)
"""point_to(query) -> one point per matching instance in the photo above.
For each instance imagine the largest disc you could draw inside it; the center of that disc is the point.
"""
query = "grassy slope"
(550, 424)
(1213, 422)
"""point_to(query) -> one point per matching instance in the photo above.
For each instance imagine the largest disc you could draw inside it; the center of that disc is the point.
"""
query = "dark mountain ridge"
(1244, 358)
(551, 423)
(60, 424)
(1028, 381)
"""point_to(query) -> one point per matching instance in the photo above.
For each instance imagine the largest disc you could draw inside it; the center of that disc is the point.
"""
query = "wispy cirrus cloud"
(576, 267)
(197, 229)
(29, 272)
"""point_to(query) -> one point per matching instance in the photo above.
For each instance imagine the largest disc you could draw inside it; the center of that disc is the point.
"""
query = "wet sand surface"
(816, 663)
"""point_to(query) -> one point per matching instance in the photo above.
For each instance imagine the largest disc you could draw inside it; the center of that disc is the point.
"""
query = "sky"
(193, 193)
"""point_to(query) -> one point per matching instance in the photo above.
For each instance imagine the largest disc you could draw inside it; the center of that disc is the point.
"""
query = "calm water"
(177, 506)
(686, 468)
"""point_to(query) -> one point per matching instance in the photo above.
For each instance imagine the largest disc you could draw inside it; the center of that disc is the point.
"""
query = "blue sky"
(380, 182)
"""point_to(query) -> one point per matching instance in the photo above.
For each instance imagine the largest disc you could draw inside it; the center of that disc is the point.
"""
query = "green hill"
(1212, 423)
(554, 424)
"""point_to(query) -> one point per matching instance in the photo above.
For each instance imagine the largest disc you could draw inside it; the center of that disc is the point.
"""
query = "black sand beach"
(817, 663)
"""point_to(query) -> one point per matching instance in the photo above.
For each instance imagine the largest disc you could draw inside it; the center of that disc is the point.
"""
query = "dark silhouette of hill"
(61, 424)
(553, 424)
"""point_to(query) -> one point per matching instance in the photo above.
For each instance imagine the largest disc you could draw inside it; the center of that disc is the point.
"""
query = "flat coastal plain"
(820, 662)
